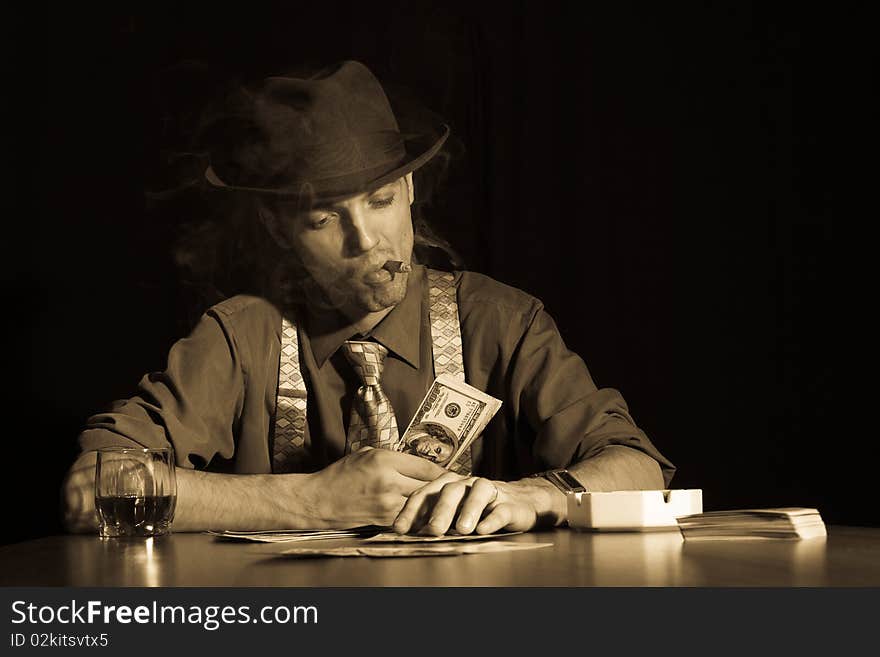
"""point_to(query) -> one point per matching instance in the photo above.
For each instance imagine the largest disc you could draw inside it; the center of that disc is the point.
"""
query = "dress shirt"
(215, 401)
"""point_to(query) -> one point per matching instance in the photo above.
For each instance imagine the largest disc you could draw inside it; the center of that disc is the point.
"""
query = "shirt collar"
(399, 331)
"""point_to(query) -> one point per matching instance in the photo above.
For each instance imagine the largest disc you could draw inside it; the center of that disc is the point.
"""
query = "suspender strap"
(290, 405)
(446, 341)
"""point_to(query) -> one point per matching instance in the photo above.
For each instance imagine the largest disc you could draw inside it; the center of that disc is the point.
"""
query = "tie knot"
(367, 359)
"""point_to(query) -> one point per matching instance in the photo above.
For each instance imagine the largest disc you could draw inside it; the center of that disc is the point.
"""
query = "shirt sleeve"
(572, 418)
(193, 405)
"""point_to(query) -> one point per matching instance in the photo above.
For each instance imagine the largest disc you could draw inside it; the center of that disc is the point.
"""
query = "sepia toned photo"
(427, 294)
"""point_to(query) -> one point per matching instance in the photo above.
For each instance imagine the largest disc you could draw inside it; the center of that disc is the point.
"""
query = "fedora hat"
(324, 137)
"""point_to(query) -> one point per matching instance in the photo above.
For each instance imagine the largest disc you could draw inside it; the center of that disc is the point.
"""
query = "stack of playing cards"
(786, 523)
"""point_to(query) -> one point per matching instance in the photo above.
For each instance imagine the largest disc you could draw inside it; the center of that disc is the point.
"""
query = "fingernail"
(466, 522)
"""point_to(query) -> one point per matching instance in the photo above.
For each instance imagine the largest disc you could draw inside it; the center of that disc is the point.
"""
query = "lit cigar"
(397, 267)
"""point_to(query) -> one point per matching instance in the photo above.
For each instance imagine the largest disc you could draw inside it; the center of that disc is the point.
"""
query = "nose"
(363, 236)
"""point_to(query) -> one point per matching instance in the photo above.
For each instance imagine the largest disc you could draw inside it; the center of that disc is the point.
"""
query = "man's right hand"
(368, 487)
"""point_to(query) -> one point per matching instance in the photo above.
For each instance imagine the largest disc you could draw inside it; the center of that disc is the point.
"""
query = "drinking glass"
(135, 491)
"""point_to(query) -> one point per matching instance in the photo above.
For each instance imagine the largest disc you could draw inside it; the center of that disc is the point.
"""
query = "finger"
(445, 508)
(414, 466)
(407, 486)
(499, 518)
(389, 508)
(482, 494)
(414, 511)
(416, 504)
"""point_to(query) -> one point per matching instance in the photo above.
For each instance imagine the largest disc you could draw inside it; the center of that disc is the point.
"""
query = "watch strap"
(563, 480)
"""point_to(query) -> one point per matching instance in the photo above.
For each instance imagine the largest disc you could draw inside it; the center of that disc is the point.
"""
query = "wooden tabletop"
(850, 556)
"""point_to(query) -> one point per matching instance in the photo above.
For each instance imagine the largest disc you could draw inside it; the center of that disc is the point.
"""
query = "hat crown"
(329, 133)
(337, 103)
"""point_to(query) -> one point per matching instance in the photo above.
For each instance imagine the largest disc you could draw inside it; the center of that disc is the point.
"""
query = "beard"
(388, 296)
(359, 286)
(373, 298)
(354, 296)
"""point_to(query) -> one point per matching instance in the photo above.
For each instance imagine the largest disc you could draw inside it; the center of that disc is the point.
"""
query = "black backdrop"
(656, 176)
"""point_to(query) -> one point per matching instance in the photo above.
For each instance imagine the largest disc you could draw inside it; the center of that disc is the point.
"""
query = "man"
(330, 177)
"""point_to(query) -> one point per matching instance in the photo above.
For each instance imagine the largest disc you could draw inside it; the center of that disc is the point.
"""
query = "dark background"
(656, 175)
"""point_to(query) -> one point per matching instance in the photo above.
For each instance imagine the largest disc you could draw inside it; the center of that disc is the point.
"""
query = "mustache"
(337, 290)
(356, 270)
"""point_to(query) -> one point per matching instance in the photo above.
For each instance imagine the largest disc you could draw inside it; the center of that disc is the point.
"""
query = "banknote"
(390, 537)
(449, 419)
(368, 534)
(297, 535)
(412, 550)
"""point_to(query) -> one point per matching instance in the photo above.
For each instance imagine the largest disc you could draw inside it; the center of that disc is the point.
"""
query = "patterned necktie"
(372, 420)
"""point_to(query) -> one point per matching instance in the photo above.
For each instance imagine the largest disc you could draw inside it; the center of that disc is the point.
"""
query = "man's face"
(344, 245)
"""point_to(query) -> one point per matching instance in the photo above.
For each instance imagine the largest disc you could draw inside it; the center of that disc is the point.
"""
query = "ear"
(273, 226)
(410, 189)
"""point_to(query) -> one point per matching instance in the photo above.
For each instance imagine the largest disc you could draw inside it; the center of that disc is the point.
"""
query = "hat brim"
(419, 150)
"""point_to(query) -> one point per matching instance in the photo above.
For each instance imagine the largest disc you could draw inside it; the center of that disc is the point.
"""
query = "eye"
(437, 450)
(323, 220)
(382, 202)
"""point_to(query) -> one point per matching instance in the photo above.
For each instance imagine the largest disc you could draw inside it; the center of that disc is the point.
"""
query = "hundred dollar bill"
(449, 419)
(411, 550)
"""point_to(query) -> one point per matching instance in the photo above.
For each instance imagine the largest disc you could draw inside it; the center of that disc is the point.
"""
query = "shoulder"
(244, 305)
(247, 314)
(485, 304)
(480, 292)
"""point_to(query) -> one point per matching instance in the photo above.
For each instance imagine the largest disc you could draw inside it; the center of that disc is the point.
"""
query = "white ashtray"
(632, 510)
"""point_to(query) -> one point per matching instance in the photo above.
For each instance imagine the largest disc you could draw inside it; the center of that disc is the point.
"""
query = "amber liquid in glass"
(131, 515)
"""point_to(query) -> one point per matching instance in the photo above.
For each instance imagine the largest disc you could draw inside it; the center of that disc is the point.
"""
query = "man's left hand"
(463, 505)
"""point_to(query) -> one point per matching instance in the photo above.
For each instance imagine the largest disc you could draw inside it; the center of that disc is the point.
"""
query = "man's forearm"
(616, 467)
(207, 500)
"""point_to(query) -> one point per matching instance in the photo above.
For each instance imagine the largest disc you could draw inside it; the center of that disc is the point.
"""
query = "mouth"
(386, 272)
(378, 276)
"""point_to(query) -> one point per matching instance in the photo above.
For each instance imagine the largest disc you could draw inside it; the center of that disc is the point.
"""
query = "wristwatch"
(563, 480)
